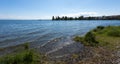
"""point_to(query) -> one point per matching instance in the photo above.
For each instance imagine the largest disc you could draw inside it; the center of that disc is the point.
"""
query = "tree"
(81, 18)
(53, 18)
(65, 18)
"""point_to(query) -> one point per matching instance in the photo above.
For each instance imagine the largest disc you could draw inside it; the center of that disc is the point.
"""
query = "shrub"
(90, 39)
(100, 27)
(28, 57)
(78, 39)
(26, 46)
(25, 57)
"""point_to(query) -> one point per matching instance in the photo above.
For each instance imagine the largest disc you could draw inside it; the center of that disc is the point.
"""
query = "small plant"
(90, 39)
(25, 57)
(28, 57)
(100, 27)
(26, 46)
(78, 39)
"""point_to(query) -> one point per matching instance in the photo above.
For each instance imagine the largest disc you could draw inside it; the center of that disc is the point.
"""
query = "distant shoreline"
(113, 17)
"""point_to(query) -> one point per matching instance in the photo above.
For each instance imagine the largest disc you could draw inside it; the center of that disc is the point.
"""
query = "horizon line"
(56, 16)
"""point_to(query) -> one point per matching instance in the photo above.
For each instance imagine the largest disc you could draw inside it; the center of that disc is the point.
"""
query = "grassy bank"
(105, 43)
(23, 55)
(108, 37)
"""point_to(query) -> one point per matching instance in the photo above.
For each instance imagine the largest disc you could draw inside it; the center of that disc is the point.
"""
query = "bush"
(25, 57)
(100, 27)
(26, 46)
(90, 39)
(28, 58)
(78, 39)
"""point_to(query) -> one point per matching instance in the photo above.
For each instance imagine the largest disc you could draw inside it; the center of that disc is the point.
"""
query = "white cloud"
(49, 16)
(23, 17)
(81, 14)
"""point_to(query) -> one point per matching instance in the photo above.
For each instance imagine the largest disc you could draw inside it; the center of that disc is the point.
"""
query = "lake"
(44, 32)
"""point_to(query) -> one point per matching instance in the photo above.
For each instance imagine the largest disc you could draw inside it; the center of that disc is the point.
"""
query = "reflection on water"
(44, 33)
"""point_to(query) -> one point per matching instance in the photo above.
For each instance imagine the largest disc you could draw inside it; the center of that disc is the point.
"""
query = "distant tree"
(75, 18)
(81, 18)
(71, 18)
(65, 18)
(58, 18)
(87, 18)
(53, 18)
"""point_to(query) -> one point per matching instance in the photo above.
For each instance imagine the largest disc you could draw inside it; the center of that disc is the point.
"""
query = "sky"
(45, 9)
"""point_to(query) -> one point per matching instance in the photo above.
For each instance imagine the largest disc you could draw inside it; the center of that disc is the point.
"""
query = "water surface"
(41, 33)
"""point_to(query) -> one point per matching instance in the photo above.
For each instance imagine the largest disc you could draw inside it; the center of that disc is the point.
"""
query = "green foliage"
(28, 57)
(26, 46)
(114, 33)
(99, 28)
(78, 39)
(90, 39)
(25, 57)
(86, 18)
(109, 37)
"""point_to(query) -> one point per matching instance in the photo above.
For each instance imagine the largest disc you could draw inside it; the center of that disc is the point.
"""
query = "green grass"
(108, 37)
(26, 56)
(88, 40)
(108, 42)
(78, 39)
(112, 31)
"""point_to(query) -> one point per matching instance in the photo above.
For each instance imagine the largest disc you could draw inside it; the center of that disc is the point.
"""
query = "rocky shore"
(105, 51)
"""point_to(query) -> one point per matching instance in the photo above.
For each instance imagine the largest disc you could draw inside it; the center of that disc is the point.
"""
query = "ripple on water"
(44, 33)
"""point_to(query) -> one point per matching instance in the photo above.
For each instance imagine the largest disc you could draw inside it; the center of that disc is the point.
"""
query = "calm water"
(41, 33)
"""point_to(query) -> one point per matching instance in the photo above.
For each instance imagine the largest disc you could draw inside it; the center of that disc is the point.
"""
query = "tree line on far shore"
(115, 17)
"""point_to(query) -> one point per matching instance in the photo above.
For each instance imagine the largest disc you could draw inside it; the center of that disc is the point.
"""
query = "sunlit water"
(44, 33)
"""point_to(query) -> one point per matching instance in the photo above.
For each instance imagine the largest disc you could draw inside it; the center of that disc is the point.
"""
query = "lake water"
(41, 33)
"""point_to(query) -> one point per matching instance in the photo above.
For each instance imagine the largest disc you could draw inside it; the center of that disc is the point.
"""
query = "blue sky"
(44, 9)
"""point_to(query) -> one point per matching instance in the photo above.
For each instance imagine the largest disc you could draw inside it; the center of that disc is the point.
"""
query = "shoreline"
(106, 52)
